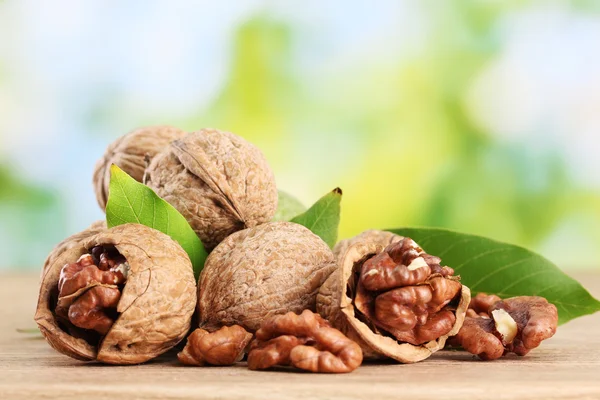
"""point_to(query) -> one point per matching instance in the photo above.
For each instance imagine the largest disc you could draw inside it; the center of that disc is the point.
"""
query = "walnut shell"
(72, 241)
(156, 305)
(129, 153)
(334, 304)
(218, 181)
(372, 236)
(260, 272)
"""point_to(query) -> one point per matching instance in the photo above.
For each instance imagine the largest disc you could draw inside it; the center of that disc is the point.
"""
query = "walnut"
(218, 181)
(260, 272)
(223, 347)
(305, 341)
(131, 153)
(481, 303)
(122, 296)
(516, 325)
(393, 299)
(72, 241)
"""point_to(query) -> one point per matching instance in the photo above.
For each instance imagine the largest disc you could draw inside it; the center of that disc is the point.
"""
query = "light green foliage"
(132, 202)
(31, 220)
(323, 217)
(287, 207)
(397, 135)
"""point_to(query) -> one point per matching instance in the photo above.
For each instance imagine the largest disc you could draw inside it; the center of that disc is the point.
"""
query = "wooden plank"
(566, 366)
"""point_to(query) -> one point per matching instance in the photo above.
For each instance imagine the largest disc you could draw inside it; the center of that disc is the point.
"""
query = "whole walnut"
(260, 272)
(122, 296)
(71, 242)
(131, 153)
(217, 180)
(392, 298)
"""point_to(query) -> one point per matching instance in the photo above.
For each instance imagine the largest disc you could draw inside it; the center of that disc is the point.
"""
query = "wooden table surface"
(566, 366)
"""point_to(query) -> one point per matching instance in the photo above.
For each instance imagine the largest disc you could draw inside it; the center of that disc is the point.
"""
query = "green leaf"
(323, 218)
(287, 207)
(486, 265)
(132, 202)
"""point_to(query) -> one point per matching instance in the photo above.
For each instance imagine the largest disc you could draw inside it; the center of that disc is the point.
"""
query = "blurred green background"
(480, 116)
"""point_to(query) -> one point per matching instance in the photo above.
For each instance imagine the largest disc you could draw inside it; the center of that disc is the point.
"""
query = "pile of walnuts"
(271, 293)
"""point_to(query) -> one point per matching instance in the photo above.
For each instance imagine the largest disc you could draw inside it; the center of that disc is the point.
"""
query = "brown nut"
(72, 241)
(394, 300)
(516, 325)
(222, 347)
(131, 153)
(305, 341)
(260, 272)
(481, 303)
(124, 307)
(217, 180)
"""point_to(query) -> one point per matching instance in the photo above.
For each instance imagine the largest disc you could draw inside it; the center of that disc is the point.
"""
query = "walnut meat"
(122, 296)
(393, 299)
(72, 241)
(260, 272)
(224, 346)
(131, 153)
(305, 341)
(515, 325)
(218, 181)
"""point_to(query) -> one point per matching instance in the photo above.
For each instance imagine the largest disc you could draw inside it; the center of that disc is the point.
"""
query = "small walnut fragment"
(223, 347)
(122, 296)
(480, 305)
(515, 325)
(304, 341)
(90, 289)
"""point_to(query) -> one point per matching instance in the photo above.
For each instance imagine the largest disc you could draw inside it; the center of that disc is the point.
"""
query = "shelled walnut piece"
(392, 298)
(515, 325)
(406, 292)
(90, 289)
(223, 347)
(122, 296)
(304, 341)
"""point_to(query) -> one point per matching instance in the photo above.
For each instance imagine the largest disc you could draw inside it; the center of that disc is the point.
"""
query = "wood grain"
(566, 366)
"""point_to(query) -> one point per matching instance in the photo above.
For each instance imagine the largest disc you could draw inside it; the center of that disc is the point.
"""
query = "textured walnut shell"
(156, 304)
(372, 236)
(72, 241)
(218, 181)
(260, 272)
(334, 304)
(129, 152)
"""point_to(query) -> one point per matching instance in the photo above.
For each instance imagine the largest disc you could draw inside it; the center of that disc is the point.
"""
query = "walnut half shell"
(336, 302)
(155, 307)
